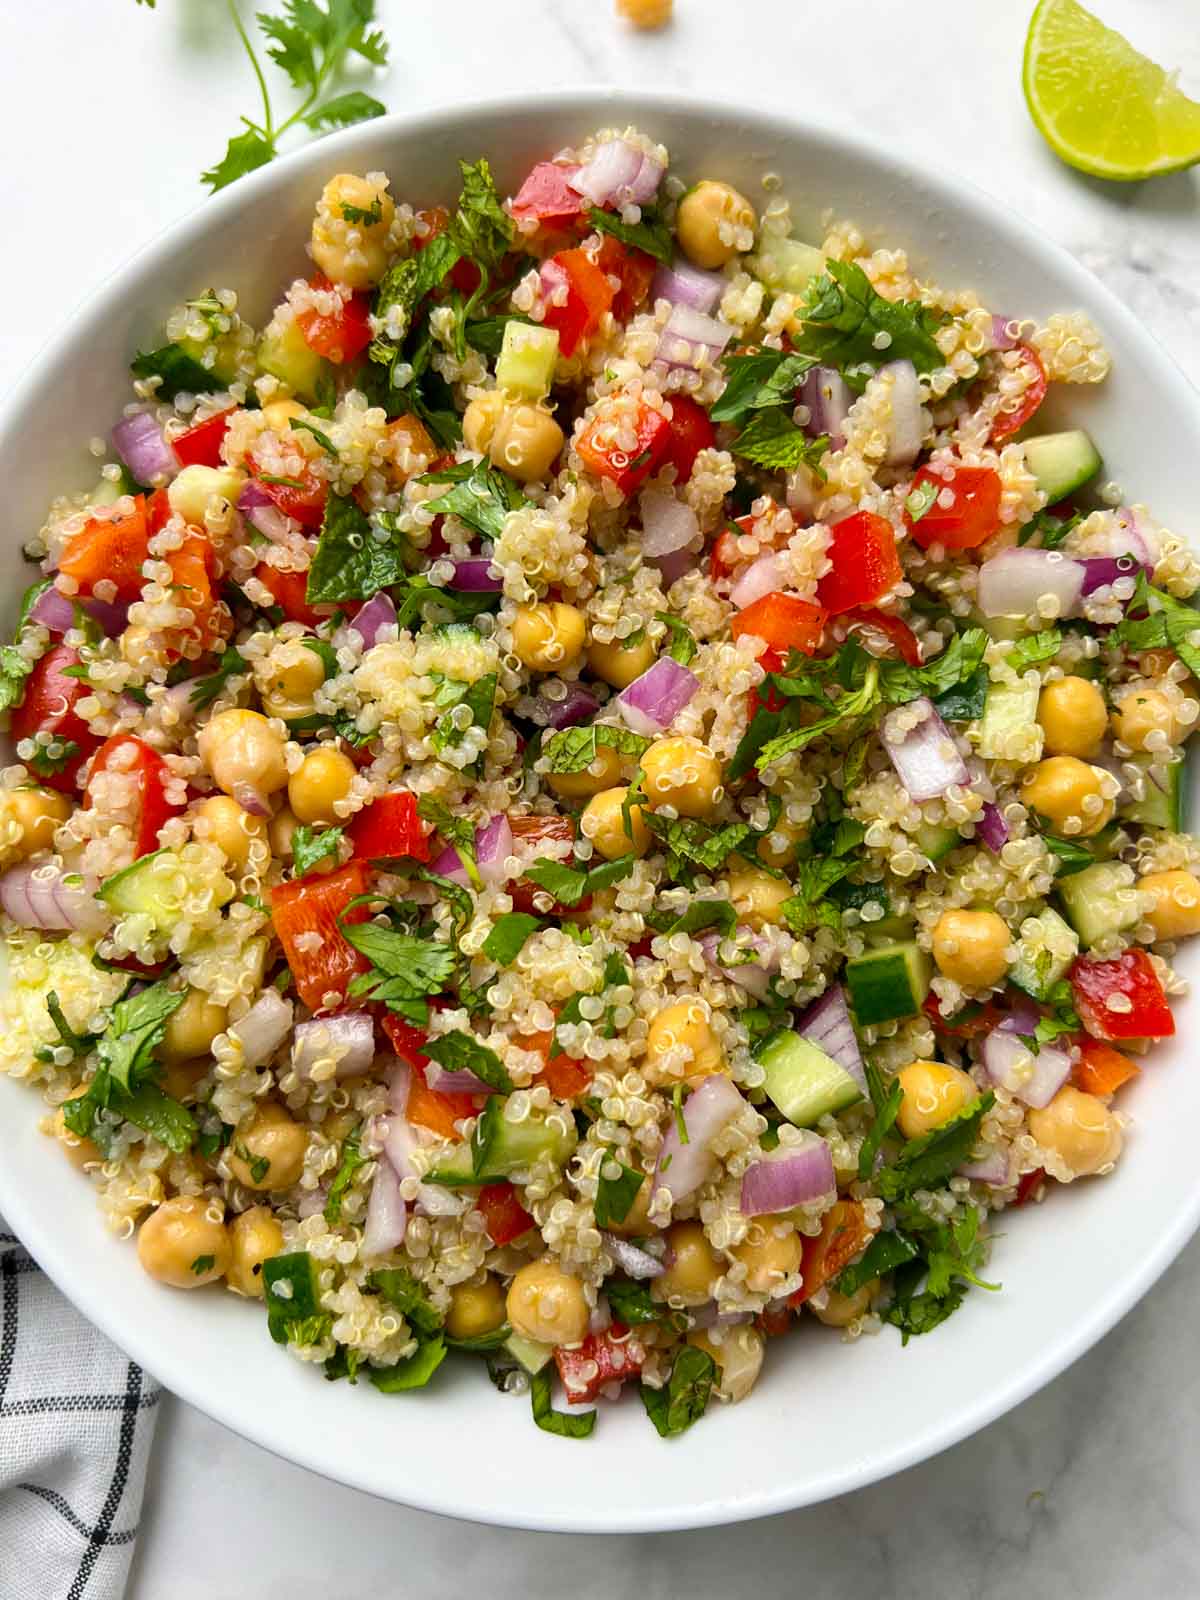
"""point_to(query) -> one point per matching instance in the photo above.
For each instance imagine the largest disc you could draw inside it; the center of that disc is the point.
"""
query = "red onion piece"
(53, 610)
(1002, 337)
(633, 1262)
(377, 614)
(42, 895)
(827, 1024)
(253, 495)
(610, 173)
(668, 524)
(981, 781)
(652, 702)
(766, 574)
(1099, 572)
(685, 285)
(754, 975)
(112, 615)
(577, 705)
(139, 442)
(906, 426)
(446, 1082)
(926, 758)
(1035, 1079)
(251, 799)
(710, 1315)
(691, 339)
(450, 865)
(264, 1027)
(476, 576)
(992, 828)
(991, 1168)
(1131, 536)
(790, 1176)
(828, 398)
(674, 565)
(387, 1213)
(493, 846)
(348, 1035)
(1012, 583)
(399, 1083)
(1022, 1016)
(645, 186)
(682, 1168)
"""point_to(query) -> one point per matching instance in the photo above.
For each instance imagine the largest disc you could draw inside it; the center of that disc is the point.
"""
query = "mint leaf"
(565, 1424)
(615, 1196)
(351, 562)
(772, 440)
(651, 234)
(481, 496)
(574, 749)
(760, 381)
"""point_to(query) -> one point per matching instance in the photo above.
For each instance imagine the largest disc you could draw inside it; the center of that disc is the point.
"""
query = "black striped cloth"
(76, 1422)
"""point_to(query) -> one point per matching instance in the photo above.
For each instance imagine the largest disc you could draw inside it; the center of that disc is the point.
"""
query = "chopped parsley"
(372, 214)
(1037, 648)
(758, 382)
(508, 935)
(456, 831)
(401, 1290)
(309, 848)
(1169, 622)
(615, 1196)
(681, 645)
(887, 1100)
(569, 885)
(930, 1161)
(48, 759)
(1048, 530)
(848, 324)
(948, 1261)
(352, 1160)
(179, 372)
(459, 1052)
(651, 234)
(202, 1264)
(920, 499)
(404, 968)
(479, 495)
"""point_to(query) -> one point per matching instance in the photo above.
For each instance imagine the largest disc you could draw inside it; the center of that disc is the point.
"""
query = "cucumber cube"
(936, 841)
(525, 365)
(1161, 806)
(283, 354)
(1047, 947)
(1009, 729)
(1061, 462)
(455, 1171)
(502, 1148)
(531, 1354)
(150, 888)
(889, 982)
(787, 264)
(1099, 901)
(803, 1081)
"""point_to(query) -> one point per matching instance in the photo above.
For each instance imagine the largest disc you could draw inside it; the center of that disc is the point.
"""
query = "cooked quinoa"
(594, 789)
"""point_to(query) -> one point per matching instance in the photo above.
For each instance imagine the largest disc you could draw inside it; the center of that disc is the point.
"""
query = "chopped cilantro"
(569, 885)
(1170, 622)
(459, 1052)
(930, 1161)
(920, 499)
(14, 669)
(372, 214)
(508, 935)
(1070, 855)
(179, 372)
(202, 1264)
(848, 324)
(352, 1160)
(403, 968)
(309, 847)
(886, 1251)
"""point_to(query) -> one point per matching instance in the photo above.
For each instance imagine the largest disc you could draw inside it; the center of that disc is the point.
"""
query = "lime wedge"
(1100, 105)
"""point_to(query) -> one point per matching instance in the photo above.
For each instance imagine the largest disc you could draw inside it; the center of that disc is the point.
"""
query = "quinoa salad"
(599, 792)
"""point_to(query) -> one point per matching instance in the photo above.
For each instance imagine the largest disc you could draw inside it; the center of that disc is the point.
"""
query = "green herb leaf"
(481, 227)
(692, 843)
(344, 111)
(651, 234)
(14, 669)
(352, 1160)
(887, 1100)
(632, 1304)
(700, 914)
(46, 764)
(930, 1161)
(179, 372)
(766, 379)
(205, 690)
(350, 562)
(135, 1030)
(244, 153)
(459, 1052)
(1033, 651)
(772, 440)
(412, 1373)
(615, 1196)
(508, 935)
(292, 1298)
(1049, 531)
(482, 498)
(569, 885)
(682, 646)
(457, 831)
(565, 1424)
(302, 424)
(849, 709)
(403, 968)
(957, 664)
(964, 702)
(574, 749)
(920, 498)
(309, 848)
(401, 1290)
(848, 323)
(1179, 622)
(684, 1398)
(1070, 855)
(814, 879)
(884, 1254)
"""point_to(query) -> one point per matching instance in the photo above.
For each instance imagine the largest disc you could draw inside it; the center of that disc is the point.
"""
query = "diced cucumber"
(456, 1171)
(502, 1148)
(937, 841)
(218, 356)
(151, 888)
(889, 982)
(803, 1081)
(1006, 629)
(1009, 729)
(283, 354)
(1162, 804)
(525, 364)
(531, 1355)
(786, 264)
(1061, 462)
(455, 633)
(1099, 901)
(892, 929)
(1047, 948)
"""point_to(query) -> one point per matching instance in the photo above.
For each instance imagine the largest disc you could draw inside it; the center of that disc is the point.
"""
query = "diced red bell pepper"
(314, 905)
(390, 826)
(844, 1233)
(201, 446)
(193, 570)
(1010, 422)
(1029, 1184)
(111, 548)
(47, 706)
(303, 496)
(436, 1109)
(723, 556)
(897, 635)
(603, 456)
(634, 268)
(546, 196)
(505, 1218)
(289, 591)
(971, 1022)
(127, 754)
(538, 828)
(613, 1356)
(691, 432)
(407, 1040)
(340, 337)
(862, 548)
(588, 296)
(158, 512)
(971, 518)
(564, 1076)
(1101, 1069)
(1121, 998)
(785, 622)
(774, 1320)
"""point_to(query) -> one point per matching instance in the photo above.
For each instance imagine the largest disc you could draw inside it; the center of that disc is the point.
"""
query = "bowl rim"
(37, 1231)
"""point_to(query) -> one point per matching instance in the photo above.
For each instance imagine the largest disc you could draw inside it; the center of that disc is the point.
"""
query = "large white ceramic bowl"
(825, 1417)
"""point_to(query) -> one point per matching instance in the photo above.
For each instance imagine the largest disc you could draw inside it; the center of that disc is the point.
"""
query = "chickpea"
(1073, 717)
(549, 636)
(268, 1149)
(192, 1027)
(180, 1078)
(33, 816)
(738, 1353)
(619, 664)
(347, 250)
(971, 947)
(191, 491)
(255, 1237)
(480, 419)
(693, 1270)
(933, 1093)
(80, 1152)
(636, 1224)
(840, 1310)
(714, 224)
(278, 416)
(683, 1028)
(769, 1257)
(778, 848)
(280, 830)
(603, 773)
(548, 1305)
(1068, 793)
(181, 1244)
(1148, 719)
(683, 773)
(603, 823)
(475, 1308)
(243, 752)
(319, 782)
(1176, 912)
(1080, 1129)
(224, 822)
(525, 442)
(293, 674)
(756, 895)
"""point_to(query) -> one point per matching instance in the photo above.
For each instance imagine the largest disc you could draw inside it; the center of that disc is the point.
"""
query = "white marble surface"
(1091, 1487)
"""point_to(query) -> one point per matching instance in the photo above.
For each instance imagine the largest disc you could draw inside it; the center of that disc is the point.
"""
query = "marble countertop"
(1091, 1487)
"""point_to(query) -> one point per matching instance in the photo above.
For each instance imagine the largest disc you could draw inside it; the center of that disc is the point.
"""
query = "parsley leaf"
(351, 562)
(886, 1251)
(1170, 622)
(887, 1100)
(957, 664)
(651, 234)
(480, 496)
(178, 371)
(615, 1196)
(403, 967)
(682, 646)
(344, 111)
(352, 1159)
(205, 690)
(508, 935)
(401, 1290)
(772, 440)
(931, 1160)
(14, 669)
(1037, 648)
(457, 831)
(45, 762)
(481, 227)
(1049, 531)
(684, 1398)
(135, 1030)
(569, 885)
(847, 710)
(459, 1052)
(567, 1425)
(414, 1372)
(756, 382)
(920, 499)
(574, 749)
(309, 847)
(965, 701)
(844, 316)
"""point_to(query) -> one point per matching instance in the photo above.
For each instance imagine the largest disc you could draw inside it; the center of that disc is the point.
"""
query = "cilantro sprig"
(848, 324)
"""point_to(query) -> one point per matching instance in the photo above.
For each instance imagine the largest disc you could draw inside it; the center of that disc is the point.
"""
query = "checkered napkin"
(76, 1421)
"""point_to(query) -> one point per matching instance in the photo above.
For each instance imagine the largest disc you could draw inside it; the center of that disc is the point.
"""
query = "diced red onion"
(139, 442)
(992, 828)
(476, 575)
(652, 702)
(264, 1027)
(347, 1035)
(828, 398)
(991, 1169)
(766, 574)
(371, 619)
(790, 1176)
(399, 1084)
(447, 1082)
(1012, 583)
(668, 524)
(906, 425)
(688, 335)
(387, 1213)
(610, 173)
(682, 1168)
(1022, 1016)
(493, 846)
(53, 610)
(1100, 572)
(1131, 536)
(926, 758)
(645, 186)
(577, 705)
(272, 523)
(312, 1201)
(435, 1200)
(674, 565)
(753, 975)
(253, 494)
(685, 285)
(42, 895)
(1035, 1079)
(827, 1024)
(1002, 337)
(450, 865)
(632, 1261)
(710, 1315)
(252, 799)
(112, 615)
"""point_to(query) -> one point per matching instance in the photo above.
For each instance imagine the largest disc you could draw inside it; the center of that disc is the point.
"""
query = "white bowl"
(825, 1417)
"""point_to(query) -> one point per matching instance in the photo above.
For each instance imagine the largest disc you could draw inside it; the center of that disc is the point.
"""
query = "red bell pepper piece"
(588, 295)
(322, 967)
(193, 570)
(201, 446)
(289, 590)
(546, 196)
(774, 1320)
(1121, 998)
(407, 1040)
(971, 1022)
(613, 1356)
(628, 470)
(1028, 1185)
(785, 622)
(111, 548)
(390, 826)
(47, 707)
(691, 432)
(1010, 422)
(158, 512)
(505, 1218)
(844, 1233)
(1101, 1069)
(303, 496)
(125, 753)
(565, 1077)
(436, 1109)
(862, 548)
(339, 337)
(973, 515)
(894, 633)
(635, 270)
